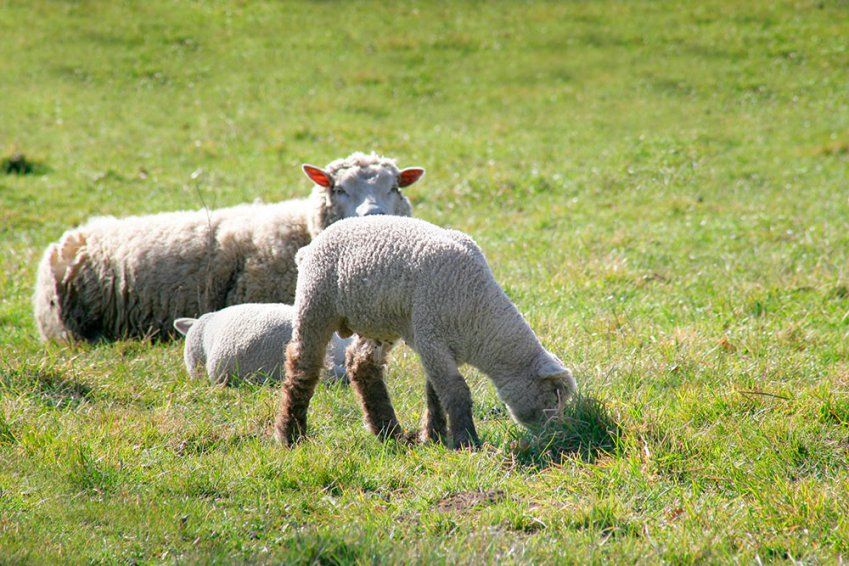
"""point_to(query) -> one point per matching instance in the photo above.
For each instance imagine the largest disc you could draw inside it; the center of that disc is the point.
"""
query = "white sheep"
(246, 341)
(128, 277)
(389, 278)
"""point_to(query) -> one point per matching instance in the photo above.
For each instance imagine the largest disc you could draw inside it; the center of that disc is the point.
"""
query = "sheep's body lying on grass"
(114, 278)
(389, 278)
(246, 341)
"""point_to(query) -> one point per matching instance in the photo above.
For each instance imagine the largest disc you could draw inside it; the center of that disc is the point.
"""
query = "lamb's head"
(359, 185)
(541, 393)
(194, 353)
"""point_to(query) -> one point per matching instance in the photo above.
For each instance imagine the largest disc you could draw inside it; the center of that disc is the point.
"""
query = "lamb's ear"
(550, 367)
(318, 175)
(553, 369)
(548, 364)
(184, 324)
(409, 176)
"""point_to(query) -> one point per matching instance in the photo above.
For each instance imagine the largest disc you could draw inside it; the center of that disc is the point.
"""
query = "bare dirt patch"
(469, 499)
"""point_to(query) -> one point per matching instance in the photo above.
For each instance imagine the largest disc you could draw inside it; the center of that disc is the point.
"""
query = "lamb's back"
(247, 338)
(385, 271)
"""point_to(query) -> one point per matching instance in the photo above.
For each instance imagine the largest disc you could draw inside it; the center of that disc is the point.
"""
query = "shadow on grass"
(587, 430)
(6, 434)
(48, 385)
(20, 164)
(262, 379)
(326, 549)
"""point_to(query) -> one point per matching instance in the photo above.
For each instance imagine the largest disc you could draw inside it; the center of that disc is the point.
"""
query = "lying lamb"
(114, 278)
(245, 341)
(388, 278)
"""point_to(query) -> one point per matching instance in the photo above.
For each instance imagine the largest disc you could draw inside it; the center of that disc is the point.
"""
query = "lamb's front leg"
(452, 393)
(459, 409)
(434, 424)
(365, 361)
(303, 369)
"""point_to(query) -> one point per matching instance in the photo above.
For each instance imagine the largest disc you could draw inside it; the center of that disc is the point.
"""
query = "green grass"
(661, 189)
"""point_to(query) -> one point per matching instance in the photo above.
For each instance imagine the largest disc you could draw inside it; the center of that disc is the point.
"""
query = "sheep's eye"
(337, 190)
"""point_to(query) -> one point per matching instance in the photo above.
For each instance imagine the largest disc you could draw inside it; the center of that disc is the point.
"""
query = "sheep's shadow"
(587, 431)
(19, 164)
(49, 386)
(263, 379)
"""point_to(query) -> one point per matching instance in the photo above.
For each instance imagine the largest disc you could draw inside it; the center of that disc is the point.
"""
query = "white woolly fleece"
(386, 278)
(114, 278)
(245, 341)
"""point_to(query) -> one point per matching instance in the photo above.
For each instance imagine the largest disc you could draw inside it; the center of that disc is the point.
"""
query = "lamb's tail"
(184, 324)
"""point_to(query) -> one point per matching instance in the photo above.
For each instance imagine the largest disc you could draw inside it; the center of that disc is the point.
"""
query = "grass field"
(662, 190)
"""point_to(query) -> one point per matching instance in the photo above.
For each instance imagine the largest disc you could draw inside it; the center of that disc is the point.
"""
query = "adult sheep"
(114, 278)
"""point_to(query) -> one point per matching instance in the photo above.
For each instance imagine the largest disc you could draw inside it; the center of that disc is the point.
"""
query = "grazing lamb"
(244, 341)
(114, 278)
(389, 278)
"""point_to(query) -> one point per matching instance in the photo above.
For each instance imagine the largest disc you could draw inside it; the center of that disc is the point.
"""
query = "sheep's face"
(360, 191)
(542, 395)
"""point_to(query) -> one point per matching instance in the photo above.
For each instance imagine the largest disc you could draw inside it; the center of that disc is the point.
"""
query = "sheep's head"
(542, 395)
(359, 185)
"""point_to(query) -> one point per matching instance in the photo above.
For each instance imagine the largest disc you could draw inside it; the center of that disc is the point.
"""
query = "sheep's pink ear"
(318, 176)
(184, 324)
(409, 176)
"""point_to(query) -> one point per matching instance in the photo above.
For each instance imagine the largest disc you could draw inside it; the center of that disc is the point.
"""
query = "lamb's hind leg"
(365, 360)
(304, 364)
(452, 394)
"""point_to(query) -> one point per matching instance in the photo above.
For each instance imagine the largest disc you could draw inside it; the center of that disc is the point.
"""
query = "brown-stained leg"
(365, 361)
(434, 423)
(302, 375)
(459, 409)
(451, 390)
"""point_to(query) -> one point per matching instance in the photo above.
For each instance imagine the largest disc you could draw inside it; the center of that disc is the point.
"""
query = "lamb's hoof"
(470, 443)
(287, 436)
(427, 435)
(406, 438)
(281, 438)
(393, 432)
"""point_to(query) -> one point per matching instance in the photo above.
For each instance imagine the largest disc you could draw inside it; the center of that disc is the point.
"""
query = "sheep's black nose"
(374, 212)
